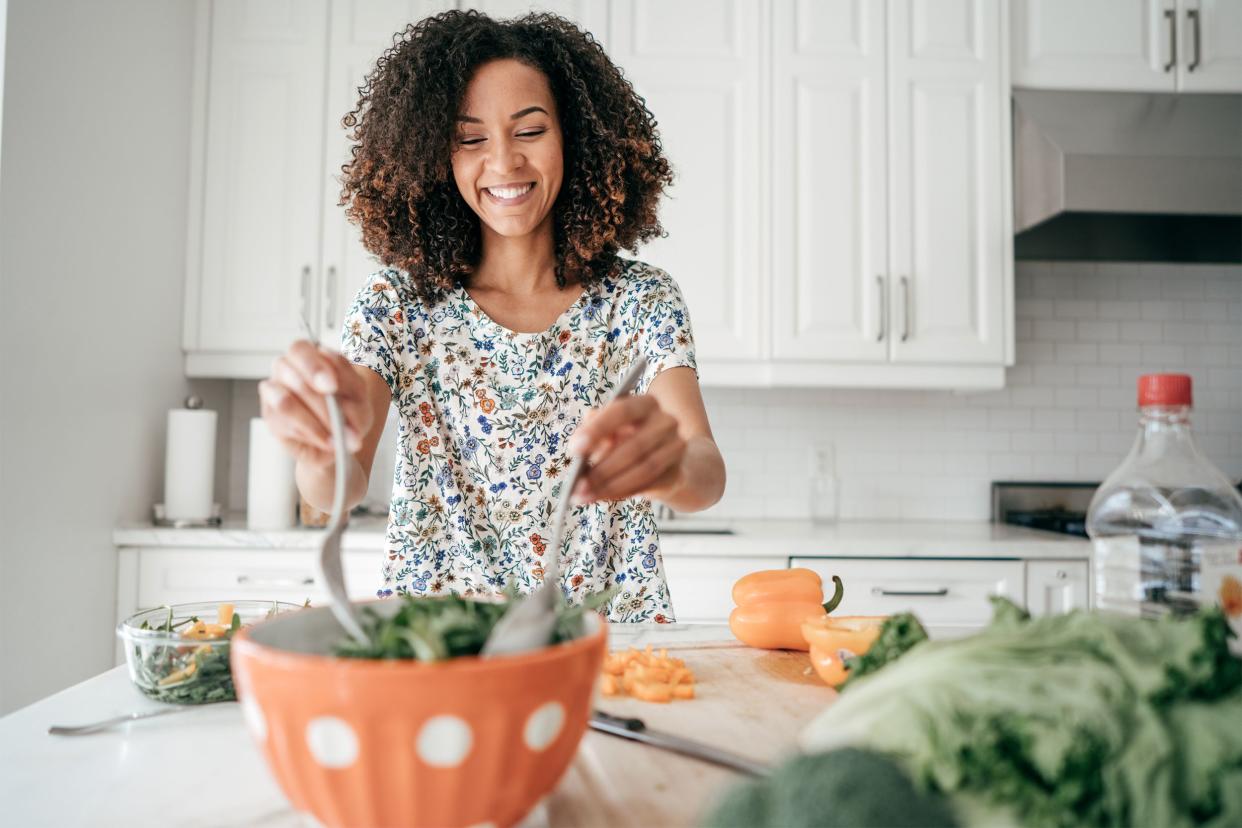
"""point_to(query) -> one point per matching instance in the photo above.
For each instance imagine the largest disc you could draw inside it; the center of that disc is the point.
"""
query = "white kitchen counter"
(750, 538)
(197, 768)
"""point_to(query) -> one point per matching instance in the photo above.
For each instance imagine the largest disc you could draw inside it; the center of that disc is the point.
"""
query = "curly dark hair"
(398, 186)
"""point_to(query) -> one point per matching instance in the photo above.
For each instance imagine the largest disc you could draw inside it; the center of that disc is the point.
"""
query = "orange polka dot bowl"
(363, 742)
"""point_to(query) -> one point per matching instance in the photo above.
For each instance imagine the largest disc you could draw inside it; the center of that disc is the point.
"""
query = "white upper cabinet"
(839, 213)
(360, 31)
(697, 65)
(829, 181)
(253, 253)
(1101, 44)
(1128, 45)
(947, 233)
(1212, 45)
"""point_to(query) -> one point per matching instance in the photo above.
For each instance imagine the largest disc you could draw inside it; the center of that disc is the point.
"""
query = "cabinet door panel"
(261, 207)
(701, 588)
(829, 199)
(947, 245)
(950, 595)
(1217, 57)
(705, 96)
(1104, 44)
(360, 32)
(169, 576)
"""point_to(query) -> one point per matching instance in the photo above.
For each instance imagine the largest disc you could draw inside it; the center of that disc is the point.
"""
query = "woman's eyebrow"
(519, 114)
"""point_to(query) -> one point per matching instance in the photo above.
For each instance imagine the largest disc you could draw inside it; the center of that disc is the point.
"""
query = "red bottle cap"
(1164, 389)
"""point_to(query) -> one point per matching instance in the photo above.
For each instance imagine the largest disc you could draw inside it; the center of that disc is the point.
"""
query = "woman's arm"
(658, 445)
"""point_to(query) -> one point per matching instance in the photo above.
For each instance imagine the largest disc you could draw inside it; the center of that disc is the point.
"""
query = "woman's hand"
(633, 447)
(292, 402)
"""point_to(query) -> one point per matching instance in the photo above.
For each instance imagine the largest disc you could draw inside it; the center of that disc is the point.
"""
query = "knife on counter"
(636, 730)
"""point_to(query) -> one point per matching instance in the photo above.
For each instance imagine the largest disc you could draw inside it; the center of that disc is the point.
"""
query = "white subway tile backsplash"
(1098, 330)
(1162, 311)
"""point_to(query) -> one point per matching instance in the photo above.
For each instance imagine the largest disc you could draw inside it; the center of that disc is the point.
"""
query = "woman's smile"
(510, 196)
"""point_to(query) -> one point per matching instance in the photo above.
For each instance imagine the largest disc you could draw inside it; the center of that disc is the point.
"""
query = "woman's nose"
(505, 157)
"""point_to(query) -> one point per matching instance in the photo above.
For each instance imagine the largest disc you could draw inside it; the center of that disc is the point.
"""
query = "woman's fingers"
(629, 449)
(600, 424)
(288, 417)
(655, 468)
(312, 373)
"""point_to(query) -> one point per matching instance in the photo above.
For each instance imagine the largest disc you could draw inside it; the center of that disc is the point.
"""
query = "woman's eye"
(469, 141)
(531, 133)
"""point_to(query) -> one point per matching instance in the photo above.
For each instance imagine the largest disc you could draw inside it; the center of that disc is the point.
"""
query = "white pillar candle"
(271, 497)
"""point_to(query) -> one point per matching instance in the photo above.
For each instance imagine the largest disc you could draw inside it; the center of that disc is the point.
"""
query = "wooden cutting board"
(752, 702)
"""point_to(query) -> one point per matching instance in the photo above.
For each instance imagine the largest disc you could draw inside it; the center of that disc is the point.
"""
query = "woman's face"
(507, 158)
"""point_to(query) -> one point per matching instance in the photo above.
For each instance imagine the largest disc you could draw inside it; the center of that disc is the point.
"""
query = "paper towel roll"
(190, 464)
(271, 489)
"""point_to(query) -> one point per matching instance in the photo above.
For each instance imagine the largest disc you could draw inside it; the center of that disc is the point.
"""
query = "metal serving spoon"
(528, 623)
(331, 572)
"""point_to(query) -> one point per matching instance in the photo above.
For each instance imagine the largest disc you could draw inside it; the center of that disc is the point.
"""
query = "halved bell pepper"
(773, 603)
(834, 640)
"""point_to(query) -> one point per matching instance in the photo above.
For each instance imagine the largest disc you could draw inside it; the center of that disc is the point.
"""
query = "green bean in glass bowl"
(179, 653)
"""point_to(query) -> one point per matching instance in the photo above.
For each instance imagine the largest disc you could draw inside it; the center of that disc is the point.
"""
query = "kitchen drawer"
(948, 596)
(701, 588)
(173, 576)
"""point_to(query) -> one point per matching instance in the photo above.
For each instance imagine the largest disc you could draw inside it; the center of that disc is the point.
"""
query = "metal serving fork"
(331, 573)
(528, 623)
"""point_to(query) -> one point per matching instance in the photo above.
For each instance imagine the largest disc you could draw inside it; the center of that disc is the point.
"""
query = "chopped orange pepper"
(646, 675)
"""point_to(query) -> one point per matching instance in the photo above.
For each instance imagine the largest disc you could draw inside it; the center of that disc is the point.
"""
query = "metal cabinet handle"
(909, 593)
(305, 289)
(275, 583)
(883, 306)
(329, 291)
(905, 304)
(1171, 16)
(1193, 17)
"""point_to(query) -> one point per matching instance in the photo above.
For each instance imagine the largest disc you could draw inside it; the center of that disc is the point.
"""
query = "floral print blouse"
(485, 413)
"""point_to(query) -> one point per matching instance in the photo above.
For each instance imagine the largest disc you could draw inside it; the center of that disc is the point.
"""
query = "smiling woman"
(499, 168)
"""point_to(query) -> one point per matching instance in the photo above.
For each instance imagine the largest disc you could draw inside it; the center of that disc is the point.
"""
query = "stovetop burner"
(1051, 506)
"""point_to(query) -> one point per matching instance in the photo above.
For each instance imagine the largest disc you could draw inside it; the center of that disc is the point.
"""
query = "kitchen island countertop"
(200, 768)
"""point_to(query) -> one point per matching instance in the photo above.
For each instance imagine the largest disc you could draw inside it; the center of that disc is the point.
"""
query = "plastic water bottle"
(1166, 525)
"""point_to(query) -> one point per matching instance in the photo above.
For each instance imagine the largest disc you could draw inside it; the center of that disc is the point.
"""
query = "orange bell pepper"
(833, 640)
(773, 603)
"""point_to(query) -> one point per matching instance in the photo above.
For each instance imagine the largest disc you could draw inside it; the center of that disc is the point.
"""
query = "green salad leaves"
(1078, 719)
(440, 627)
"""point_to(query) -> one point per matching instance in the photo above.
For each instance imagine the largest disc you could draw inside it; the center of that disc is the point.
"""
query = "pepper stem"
(837, 595)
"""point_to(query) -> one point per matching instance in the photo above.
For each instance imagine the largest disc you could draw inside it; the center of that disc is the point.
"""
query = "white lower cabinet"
(701, 588)
(948, 596)
(1054, 587)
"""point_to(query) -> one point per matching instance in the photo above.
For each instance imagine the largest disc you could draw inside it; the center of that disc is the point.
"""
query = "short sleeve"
(666, 338)
(375, 329)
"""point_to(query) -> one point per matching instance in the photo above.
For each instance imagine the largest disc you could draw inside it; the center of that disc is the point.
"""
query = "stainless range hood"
(1129, 165)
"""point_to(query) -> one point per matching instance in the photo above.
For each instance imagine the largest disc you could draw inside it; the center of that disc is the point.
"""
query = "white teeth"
(509, 192)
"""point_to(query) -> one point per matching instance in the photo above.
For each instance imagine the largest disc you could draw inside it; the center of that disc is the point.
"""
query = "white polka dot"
(445, 741)
(255, 719)
(544, 725)
(332, 742)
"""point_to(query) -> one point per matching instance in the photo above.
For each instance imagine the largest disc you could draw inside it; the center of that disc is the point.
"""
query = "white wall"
(93, 194)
